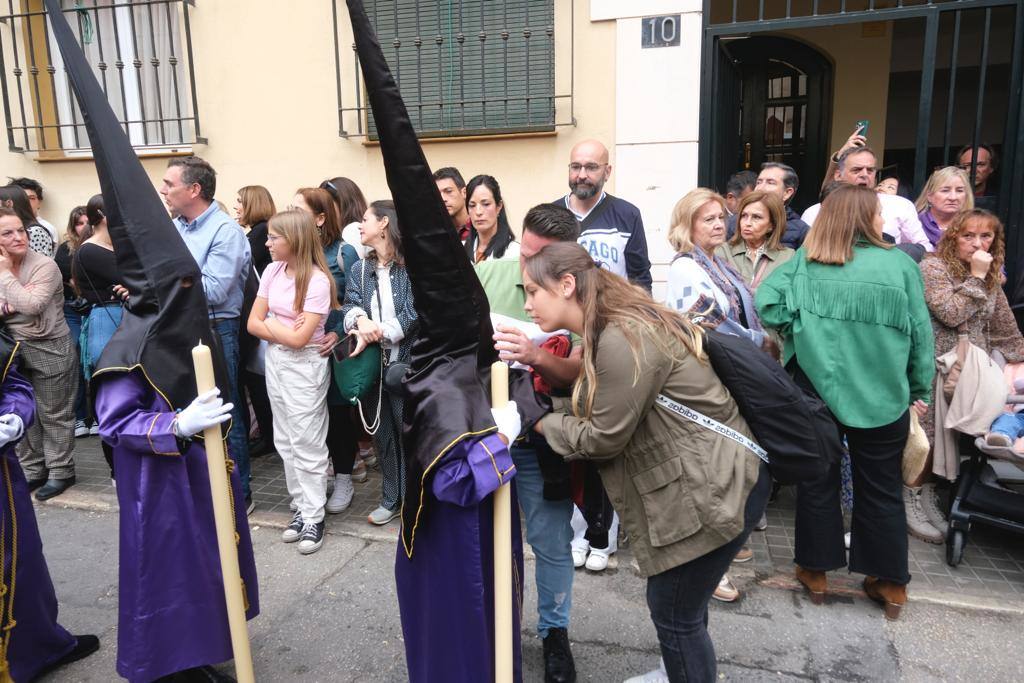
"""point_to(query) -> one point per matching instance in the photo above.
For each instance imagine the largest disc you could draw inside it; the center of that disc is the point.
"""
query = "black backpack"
(793, 425)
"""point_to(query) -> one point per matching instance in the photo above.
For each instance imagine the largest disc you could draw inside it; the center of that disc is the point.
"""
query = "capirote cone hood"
(167, 313)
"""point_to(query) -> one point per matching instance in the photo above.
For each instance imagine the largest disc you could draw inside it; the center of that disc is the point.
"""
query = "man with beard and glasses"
(611, 228)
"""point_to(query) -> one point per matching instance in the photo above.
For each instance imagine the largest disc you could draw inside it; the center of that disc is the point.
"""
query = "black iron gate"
(731, 20)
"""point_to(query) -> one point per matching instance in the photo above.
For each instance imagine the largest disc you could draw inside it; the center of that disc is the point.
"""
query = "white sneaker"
(95, 429)
(659, 675)
(342, 496)
(579, 556)
(359, 474)
(81, 429)
(597, 561)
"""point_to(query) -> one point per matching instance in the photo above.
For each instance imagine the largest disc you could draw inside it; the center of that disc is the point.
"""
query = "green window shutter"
(454, 83)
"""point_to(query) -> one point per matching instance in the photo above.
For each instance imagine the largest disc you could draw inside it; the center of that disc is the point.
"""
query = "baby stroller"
(989, 490)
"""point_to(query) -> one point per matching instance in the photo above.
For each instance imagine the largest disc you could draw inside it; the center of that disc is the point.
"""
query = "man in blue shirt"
(611, 228)
(222, 252)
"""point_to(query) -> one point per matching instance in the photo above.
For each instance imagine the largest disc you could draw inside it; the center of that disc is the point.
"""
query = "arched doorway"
(775, 105)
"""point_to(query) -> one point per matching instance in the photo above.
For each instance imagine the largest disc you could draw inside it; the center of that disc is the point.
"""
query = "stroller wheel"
(955, 547)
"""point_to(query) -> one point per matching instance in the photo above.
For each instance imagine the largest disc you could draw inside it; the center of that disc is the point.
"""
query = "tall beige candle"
(220, 491)
(503, 668)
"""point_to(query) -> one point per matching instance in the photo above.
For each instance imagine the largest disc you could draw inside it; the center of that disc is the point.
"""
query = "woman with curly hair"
(963, 289)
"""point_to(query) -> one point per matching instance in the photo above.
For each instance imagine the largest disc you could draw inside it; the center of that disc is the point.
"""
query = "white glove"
(508, 421)
(11, 428)
(208, 410)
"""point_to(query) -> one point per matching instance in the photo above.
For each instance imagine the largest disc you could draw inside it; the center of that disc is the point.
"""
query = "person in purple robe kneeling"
(32, 642)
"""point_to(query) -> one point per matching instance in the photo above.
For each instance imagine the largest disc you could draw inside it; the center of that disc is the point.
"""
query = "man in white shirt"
(34, 191)
(858, 166)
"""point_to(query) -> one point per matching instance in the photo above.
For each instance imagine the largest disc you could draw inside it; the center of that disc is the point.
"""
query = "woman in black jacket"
(253, 208)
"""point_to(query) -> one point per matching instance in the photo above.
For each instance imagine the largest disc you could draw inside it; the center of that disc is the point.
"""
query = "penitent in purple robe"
(37, 640)
(446, 589)
(172, 614)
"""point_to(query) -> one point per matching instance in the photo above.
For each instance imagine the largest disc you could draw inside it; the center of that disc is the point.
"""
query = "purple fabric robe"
(37, 640)
(446, 589)
(172, 614)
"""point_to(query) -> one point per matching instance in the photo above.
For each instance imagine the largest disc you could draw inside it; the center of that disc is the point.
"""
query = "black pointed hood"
(167, 311)
(447, 387)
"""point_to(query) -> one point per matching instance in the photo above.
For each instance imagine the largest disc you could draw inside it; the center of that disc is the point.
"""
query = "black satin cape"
(167, 311)
(447, 387)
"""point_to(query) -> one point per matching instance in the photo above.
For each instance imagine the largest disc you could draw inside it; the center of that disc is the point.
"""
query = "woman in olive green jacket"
(854, 317)
(756, 249)
(687, 495)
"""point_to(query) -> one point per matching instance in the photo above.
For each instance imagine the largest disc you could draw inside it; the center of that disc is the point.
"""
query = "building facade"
(682, 91)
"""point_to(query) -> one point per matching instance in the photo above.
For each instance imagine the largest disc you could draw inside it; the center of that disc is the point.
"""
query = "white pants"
(297, 382)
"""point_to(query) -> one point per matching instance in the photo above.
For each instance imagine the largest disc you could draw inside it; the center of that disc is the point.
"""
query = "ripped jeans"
(549, 533)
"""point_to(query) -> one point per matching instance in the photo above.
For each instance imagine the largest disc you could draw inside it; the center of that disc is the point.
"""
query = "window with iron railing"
(472, 67)
(140, 51)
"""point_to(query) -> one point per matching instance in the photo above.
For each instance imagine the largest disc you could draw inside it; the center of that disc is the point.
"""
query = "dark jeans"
(238, 440)
(678, 599)
(341, 438)
(878, 545)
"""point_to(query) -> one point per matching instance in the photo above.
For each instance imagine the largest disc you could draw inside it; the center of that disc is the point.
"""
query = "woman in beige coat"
(687, 495)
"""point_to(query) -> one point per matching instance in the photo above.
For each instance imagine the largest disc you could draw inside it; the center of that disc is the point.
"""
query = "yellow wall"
(860, 77)
(265, 79)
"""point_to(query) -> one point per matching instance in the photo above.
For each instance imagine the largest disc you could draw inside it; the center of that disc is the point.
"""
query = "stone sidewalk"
(991, 574)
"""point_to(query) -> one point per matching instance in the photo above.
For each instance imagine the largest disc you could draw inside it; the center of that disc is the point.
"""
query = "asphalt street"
(333, 616)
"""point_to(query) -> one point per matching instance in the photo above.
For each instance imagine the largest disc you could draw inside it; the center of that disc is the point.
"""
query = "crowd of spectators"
(856, 296)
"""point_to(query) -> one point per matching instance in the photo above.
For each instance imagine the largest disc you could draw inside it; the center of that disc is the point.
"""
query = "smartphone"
(862, 127)
(344, 348)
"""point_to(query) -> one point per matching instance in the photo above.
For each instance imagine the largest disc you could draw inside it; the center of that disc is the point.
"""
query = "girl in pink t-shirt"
(296, 294)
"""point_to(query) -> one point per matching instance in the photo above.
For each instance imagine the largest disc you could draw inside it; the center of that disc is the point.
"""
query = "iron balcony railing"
(472, 67)
(141, 51)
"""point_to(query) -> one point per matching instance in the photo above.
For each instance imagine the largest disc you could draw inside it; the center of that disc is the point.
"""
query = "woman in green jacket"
(853, 314)
(687, 495)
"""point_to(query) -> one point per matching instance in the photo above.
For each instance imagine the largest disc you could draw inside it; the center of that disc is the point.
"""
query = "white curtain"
(140, 95)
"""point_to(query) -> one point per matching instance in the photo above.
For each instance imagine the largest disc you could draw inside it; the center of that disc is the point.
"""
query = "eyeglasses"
(589, 168)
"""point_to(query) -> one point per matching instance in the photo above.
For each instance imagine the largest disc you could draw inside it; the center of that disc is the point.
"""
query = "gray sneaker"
(294, 530)
(382, 515)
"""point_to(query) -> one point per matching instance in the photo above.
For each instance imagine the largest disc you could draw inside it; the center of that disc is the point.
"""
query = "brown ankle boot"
(892, 596)
(816, 583)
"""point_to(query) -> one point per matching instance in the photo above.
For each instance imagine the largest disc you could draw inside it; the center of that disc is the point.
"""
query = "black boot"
(54, 487)
(84, 646)
(559, 666)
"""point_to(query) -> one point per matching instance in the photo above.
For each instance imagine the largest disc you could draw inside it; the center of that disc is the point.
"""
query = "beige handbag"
(953, 376)
(915, 453)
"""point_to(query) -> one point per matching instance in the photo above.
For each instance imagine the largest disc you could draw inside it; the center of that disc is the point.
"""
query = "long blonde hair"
(940, 178)
(847, 216)
(608, 299)
(680, 234)
(298, 229)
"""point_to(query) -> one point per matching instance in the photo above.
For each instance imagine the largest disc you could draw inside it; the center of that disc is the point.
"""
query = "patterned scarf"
(733, 286)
